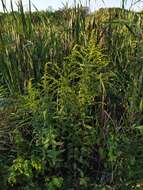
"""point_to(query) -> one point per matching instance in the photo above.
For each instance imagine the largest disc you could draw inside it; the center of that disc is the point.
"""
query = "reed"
(71, 98)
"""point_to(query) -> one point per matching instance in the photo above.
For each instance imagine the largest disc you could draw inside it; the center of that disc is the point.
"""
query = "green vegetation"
(71, 100)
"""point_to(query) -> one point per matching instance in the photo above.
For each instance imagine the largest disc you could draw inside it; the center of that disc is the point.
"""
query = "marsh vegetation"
(71, 99)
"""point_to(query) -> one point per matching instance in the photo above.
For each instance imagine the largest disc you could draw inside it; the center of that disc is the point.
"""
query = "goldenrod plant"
(71, 100)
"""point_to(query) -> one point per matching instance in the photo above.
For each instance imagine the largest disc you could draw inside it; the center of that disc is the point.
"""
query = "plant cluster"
(71, 100)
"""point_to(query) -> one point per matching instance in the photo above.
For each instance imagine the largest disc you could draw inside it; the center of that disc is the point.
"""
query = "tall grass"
(71, 99)
(32, 40)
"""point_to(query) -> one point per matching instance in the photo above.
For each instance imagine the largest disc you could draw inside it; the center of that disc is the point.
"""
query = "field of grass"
(71, 99)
